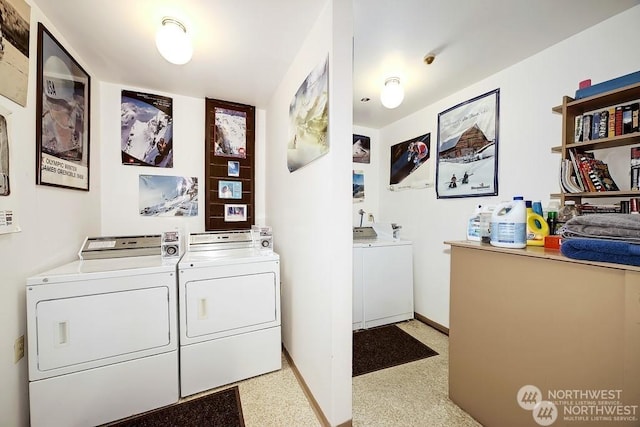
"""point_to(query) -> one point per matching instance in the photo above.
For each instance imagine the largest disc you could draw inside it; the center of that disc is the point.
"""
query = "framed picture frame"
(230, 131)
(309, 119)
(361, 149)
(467, 154)
(230, 189)
(229, 157)
(233, 168)
(235, 213)
(62, 116)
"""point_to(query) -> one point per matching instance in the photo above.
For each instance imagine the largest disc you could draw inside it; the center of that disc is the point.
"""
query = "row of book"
(581, 172)
(587, 208)
(613, 121)
(624, 206)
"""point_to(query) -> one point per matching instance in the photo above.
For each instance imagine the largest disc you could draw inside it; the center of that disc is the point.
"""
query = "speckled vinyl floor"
(413, 394)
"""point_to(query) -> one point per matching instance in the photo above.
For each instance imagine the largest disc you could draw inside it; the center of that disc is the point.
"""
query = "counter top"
(537, 252)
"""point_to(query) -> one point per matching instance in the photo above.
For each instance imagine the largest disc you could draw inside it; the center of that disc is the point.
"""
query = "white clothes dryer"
(229, 309)
(102, 334)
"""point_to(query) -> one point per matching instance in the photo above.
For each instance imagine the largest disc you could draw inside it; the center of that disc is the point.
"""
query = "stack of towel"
(603, 237)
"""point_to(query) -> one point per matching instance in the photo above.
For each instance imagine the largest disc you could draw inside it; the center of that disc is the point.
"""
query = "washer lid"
(226, 257)
(100, 268)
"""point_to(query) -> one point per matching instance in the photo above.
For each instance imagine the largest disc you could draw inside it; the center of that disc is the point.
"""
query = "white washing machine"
(229, 308)
(102, 334)
(382, 279)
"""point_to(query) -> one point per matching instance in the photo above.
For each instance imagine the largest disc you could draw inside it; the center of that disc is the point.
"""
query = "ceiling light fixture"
(173, 41)
(392, 93)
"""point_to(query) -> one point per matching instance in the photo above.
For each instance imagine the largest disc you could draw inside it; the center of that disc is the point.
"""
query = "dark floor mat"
(218, 409)
(384, 347)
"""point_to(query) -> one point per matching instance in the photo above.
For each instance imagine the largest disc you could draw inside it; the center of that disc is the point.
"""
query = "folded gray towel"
(604, 226)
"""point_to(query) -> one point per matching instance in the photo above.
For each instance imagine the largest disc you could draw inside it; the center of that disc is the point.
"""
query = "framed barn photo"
(62, 116)
(467, 154)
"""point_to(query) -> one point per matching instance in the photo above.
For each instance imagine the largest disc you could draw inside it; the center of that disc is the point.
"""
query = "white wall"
(371, 171)
(309, 210)
(120, 215)
(528, 130)
(54, 222)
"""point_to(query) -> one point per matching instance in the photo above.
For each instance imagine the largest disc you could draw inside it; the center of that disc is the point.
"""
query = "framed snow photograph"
(230, 132)
(235, 213)
(361, 149)
(309, 119)
(233, 168)
(146, 129)
(230, 189)
(162, 195)
(467, 164)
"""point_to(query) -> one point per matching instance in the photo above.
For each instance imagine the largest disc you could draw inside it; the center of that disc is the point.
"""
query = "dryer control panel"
(118, 247)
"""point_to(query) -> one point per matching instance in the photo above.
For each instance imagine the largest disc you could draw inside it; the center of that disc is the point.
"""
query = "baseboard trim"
(314, 404)
(434, 325)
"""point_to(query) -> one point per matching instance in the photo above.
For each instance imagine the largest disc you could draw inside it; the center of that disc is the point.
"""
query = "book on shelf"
(577, 137)
(607, 123)
(603, 128)
(601, 177)
(618, 120)
(576, 168)
(586, 127)
(593, 174)
(635, 168)
(630, 117)
(595, 125)
(627, 119)
(568, 180)
(612, 122)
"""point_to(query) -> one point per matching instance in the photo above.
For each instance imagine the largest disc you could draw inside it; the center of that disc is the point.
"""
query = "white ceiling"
(243, 48)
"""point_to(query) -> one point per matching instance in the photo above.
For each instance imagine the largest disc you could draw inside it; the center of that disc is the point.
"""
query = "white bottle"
(474, 231)
(485, 223)
(509, 224)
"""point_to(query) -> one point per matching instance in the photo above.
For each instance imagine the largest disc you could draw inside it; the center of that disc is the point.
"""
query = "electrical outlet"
(370, 218)
(18, 349)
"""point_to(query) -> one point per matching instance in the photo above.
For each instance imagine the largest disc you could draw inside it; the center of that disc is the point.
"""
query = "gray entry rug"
(220, 409)
(384, 347)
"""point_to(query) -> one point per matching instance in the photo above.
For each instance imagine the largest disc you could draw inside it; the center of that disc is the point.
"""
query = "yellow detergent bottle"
(537, 227)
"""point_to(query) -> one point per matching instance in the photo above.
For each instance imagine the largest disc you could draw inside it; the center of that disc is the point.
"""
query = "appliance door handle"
(202, 309)
(62, 333)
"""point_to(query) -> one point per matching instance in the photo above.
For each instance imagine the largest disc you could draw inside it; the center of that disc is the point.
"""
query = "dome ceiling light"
(392, 93)
(173, 41)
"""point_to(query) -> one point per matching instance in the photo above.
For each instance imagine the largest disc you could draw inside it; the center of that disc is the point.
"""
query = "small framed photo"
(62, 116)
(230, 189)
(235, 213)
(361, 149)
(233, 168)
